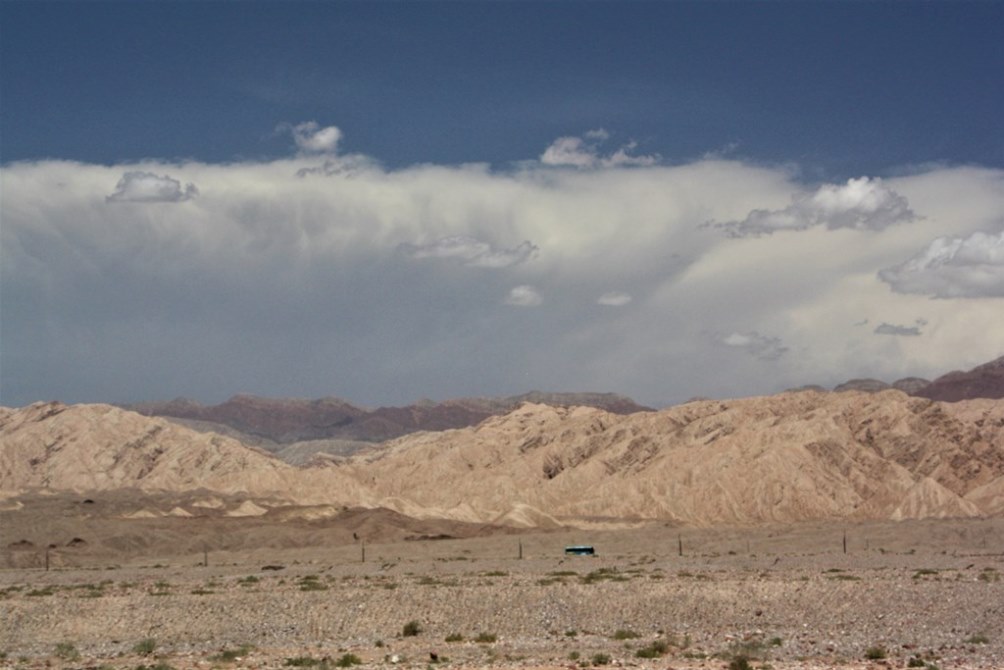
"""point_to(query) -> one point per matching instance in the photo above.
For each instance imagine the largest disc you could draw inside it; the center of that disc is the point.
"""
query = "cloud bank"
(953, 267)
(325, 274)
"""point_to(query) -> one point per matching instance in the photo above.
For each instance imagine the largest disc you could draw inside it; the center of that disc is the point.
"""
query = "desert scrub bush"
(411, 629)
(486, 638)
(625, 634)
(875, 653)
(454, 637)
(348, 660)
(302, 662)
(250, 580)
(574, 656)
(571, 633)
(740, 663)
(231, 655)
(916, 662)
(654, 650)
(601, 659)
(42, 592)
(311, 583)
(977, 639)
(66, 651)
(496, 573)
(145, 646)
(157, 666)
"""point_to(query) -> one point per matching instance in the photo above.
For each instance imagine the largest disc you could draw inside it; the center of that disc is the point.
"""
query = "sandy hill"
(101, 448)
(794, 456)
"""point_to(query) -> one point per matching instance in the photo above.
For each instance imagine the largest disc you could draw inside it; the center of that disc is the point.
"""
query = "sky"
(392, 201)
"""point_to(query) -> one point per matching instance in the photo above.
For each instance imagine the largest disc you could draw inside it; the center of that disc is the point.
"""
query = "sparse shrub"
(875, 653)
(916, 662)
(454, 637)
(571, 633)
(496, 573)
(145, 646)
(625, 634)
(740, 663)
(574, 656)
(302, 662)
(654, 650)
(66, 651)
(411, 629)
(348, 660)
(486, 638)
(601, 659)
(977, 639)
(231, 655)
(158, 666)
(248, 581)
(378, 644)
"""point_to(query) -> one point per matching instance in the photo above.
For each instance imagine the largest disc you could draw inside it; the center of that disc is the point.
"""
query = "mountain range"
(805, 455)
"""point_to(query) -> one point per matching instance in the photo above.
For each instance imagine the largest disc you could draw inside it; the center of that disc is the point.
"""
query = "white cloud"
(614, 299)
(310, 137)
(953, 267)
(524, 296)
(862, 204)
(140, 186)
(584, 152)
(473, 252)
(759, 346)
(265, 261)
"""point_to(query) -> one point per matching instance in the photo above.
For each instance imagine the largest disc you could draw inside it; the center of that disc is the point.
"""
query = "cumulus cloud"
(764, 347)
(584, 152)
(473, 252)
(524, 296)
(614, 299)
(140, 186)
(863, 204)
(311, 138)
(953, 267)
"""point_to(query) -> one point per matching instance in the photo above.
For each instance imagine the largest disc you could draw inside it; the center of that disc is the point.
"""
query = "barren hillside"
(794, 456)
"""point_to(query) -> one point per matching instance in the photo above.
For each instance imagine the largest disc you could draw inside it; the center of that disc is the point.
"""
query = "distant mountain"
(983, 381)
(285, 421)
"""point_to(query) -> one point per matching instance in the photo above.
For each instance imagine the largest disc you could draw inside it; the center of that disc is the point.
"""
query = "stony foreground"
(939, 603)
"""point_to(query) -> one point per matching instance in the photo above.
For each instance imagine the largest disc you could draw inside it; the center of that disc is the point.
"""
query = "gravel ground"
(785, 610)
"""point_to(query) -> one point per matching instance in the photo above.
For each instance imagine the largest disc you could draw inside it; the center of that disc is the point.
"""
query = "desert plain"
(284, 589)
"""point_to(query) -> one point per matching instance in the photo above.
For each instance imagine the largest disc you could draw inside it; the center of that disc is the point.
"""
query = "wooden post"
(679, 543)
(845, 541)
(205, 556)
(362, 547)
(46, 558)
(521, 549)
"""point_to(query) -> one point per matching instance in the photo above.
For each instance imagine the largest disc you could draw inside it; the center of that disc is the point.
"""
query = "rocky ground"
(922, 594)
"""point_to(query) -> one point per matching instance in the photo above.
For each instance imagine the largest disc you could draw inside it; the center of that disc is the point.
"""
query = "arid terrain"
(276, 594)
(809, 529)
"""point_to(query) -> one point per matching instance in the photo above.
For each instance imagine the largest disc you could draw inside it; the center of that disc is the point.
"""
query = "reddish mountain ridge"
(983, 381)
(294, 420)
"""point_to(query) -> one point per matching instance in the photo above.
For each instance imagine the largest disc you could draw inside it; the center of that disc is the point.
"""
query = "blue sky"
(385, 201)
